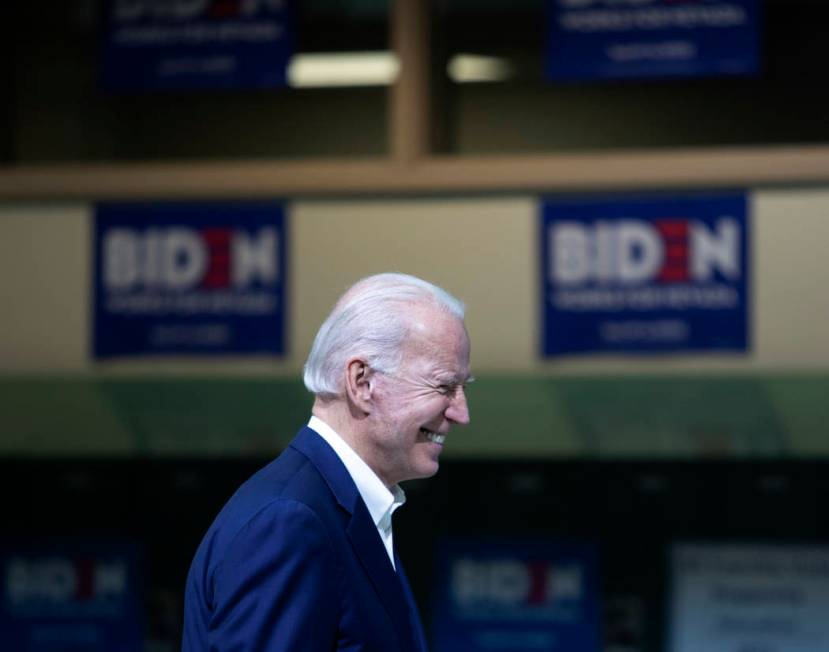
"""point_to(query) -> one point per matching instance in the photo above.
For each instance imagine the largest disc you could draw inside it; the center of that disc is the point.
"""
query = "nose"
(458, 410)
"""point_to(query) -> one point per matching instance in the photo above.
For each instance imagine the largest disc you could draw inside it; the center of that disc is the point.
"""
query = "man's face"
(417, 405)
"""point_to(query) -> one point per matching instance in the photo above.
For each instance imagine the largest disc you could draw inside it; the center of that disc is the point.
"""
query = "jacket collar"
(331, 468)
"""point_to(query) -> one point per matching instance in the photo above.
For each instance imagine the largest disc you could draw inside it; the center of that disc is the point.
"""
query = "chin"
(428, 470)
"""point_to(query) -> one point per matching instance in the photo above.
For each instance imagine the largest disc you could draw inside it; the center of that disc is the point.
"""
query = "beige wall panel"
(44, 278)
(482, 250)
(792, 278)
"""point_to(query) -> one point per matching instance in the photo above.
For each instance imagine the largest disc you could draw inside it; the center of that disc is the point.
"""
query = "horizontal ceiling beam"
(617, 170)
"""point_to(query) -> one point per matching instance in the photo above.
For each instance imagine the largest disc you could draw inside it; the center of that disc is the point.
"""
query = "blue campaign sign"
(514, 595)
(72, 596)
(188, 44)
(641, 39)
(653, 274)
(189, 278)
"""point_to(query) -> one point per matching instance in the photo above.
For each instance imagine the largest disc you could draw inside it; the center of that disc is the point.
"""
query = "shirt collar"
(380, 501)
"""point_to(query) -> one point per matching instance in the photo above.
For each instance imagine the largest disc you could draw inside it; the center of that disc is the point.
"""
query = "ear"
(359, 384)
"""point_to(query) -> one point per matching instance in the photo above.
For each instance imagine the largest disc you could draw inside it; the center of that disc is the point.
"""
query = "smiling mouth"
(433, 436)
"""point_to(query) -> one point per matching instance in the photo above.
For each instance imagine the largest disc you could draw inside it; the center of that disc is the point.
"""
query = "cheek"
(428, 411)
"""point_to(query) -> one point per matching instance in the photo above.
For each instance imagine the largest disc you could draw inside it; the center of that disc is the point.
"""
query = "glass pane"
(519, 110)
(59, 112)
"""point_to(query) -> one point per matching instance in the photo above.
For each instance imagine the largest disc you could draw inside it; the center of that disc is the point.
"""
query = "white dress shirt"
(380, 501)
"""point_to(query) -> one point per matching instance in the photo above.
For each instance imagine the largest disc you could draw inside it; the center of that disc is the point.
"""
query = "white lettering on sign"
(56, 580)
(633, 251)
(178, 258)
(719, 250)
(513, 582)
(254, 259)
(51, 580)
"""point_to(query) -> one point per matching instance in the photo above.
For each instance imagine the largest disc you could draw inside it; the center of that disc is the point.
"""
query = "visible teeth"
(433, 436)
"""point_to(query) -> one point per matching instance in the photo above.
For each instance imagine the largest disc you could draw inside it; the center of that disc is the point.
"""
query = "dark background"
(632, 509)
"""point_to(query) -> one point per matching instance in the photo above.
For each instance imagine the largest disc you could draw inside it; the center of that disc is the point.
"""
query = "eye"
(449, 389)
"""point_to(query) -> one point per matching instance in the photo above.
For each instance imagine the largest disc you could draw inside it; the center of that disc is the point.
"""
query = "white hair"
(371, 320)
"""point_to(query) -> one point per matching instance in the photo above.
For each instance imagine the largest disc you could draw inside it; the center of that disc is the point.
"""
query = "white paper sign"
(749, 598)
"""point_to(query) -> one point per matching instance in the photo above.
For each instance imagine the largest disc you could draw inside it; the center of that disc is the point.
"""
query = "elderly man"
(302, 556)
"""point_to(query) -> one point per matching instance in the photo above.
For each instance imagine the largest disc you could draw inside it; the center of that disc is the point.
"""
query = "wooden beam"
(410, 98)
(692, 168)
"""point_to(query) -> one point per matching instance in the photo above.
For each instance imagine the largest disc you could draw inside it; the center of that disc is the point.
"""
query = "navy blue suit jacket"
(294, 562)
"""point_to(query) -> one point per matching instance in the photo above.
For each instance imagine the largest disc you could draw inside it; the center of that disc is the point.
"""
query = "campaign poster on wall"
(72, 596)
(647, 274)
(516, 595)
(189, 44)
(189, 278)
(591, 40)
(733, 598)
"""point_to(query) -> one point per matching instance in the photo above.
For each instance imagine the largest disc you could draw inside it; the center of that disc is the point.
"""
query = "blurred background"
(629, 195)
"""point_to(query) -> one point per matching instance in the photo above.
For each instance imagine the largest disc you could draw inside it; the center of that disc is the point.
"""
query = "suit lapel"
(375, 560)
(332, 470)
(362, 533)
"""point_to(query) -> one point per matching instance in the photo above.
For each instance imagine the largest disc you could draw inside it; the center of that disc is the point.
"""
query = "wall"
(483, 249)
(768, 403)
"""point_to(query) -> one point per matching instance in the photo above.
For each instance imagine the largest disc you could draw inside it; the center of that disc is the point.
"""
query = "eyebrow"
(455, 380)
